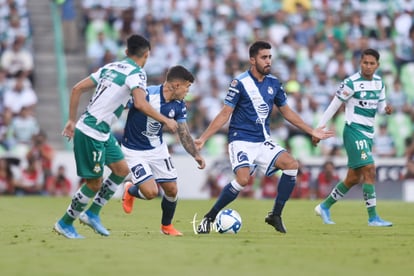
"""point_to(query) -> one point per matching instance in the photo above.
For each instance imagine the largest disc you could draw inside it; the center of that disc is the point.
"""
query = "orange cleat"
(170, 230)
(127, 199)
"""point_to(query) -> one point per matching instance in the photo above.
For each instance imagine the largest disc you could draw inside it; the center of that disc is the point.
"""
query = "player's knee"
(94, 184)
(291, 164)
(287, 162)
(171, 191)
(243, 180)
(150, 194)
(124, 172)
(369, 174)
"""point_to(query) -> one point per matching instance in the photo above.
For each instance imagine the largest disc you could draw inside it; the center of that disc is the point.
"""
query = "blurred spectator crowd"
(25, 155)
(316, 44)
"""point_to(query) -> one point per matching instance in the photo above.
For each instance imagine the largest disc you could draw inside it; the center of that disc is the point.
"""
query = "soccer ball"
(228, 221)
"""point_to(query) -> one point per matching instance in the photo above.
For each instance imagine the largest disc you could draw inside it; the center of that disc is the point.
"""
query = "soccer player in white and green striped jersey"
(94, 145)
(363, 94)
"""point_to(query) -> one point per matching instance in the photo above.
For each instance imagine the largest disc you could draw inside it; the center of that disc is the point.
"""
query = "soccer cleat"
(66, 230)
(377, 221)
(205, 226)
(127, 199)
(324, 214)
(276, 222)
(94, 222)
(170, 230)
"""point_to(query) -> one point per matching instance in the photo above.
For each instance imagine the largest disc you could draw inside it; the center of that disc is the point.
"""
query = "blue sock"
(133, 190)
(168, 210)
(284, 189)
(227, 195)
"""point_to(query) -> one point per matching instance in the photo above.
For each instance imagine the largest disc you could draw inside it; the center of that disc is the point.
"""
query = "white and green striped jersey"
(114, 81)
(362, 98)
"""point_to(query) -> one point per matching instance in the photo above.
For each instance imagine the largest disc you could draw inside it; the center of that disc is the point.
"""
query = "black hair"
(371, 52)
(257, 46)
(179, 72)
(137, 45)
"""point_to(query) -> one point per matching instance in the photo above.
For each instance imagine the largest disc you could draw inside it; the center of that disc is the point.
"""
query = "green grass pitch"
(29, 247)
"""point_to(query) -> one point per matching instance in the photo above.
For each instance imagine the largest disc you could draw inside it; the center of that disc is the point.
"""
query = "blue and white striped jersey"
(253, 104)
(145, 133)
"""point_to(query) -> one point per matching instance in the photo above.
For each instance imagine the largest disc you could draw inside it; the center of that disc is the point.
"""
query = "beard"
(264, 70)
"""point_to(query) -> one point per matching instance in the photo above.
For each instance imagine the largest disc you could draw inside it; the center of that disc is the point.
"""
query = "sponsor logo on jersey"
(263, 110)
(368, 104)
(152, 130)
(260, 121)
(109, 76)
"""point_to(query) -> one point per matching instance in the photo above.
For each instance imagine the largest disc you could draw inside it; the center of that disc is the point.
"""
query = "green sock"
(337, 193)
(370, 199)
(79, 201)
(107, 190)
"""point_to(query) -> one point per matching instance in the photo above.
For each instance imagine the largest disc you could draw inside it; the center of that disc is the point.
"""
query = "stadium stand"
(210, 38)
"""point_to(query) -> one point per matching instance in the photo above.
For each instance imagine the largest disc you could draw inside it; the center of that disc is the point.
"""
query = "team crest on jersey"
(364, 155)
(377, 85)
(138, 171)
(234, 83)
(242, 156)
(97, 168)
(171, 114)
(270, 90)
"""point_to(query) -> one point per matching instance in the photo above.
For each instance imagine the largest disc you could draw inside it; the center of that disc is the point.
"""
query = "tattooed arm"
(188, 144)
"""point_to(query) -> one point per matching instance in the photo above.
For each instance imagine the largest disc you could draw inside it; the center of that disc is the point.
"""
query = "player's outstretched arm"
(218, 122)
(188, 144)
(297, 121)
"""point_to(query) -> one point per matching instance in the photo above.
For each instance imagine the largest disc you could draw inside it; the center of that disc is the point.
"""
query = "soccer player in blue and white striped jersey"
(249, 102)
(146, 152)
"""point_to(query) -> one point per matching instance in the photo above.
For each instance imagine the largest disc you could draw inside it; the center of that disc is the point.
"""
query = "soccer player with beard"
(249, 102)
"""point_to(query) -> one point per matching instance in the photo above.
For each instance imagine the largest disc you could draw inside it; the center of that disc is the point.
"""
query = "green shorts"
(92, 155)
(358, 148)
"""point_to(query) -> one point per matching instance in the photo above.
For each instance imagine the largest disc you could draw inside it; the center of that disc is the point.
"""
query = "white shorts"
(146, 164)
(260, 156)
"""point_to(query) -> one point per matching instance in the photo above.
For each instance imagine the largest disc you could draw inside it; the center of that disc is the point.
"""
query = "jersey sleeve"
(345, 90)
(280, 98)
(95, 76)
(181, 115)
(233, 94)
(137, 79)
